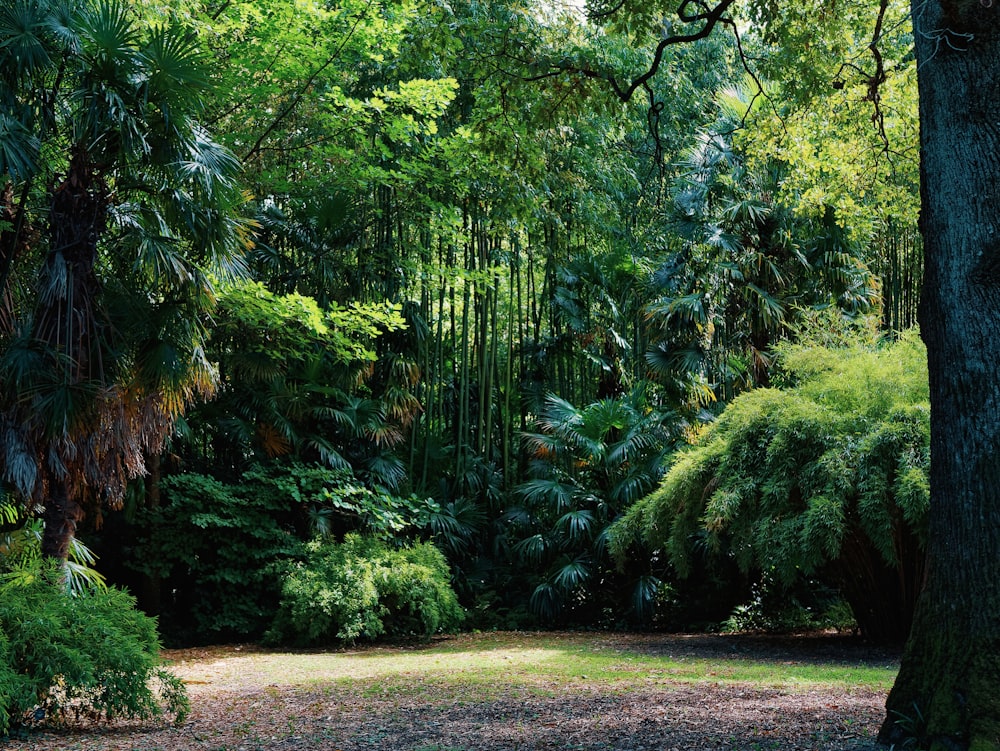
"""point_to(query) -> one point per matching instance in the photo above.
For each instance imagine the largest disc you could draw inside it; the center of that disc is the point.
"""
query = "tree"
(118, 213)
(952, 660)
(945, 695)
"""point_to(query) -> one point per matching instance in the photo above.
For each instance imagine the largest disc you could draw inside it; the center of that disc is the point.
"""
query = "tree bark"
(65, 322)
(61, 515)
(947, 694)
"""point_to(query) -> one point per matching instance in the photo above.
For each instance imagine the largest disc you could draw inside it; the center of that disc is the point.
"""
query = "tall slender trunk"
(947, 687)
(464, 387)
(65, 321)
(150, 588)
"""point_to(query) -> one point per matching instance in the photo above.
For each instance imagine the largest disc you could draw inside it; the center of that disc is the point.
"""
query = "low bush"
(361, 589)
(89, 653)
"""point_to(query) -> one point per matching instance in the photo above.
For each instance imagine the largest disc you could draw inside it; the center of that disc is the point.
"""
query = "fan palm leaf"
(141, 208)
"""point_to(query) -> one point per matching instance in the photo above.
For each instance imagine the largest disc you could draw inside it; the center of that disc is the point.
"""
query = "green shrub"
(362, 589)
(414, 592)
(218, 547)
(826, 478)
(213, 544)
(85, 654)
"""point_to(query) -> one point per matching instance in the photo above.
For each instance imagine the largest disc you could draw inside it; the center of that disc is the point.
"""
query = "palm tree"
(121, 210)
(589, 465)
(747, 266)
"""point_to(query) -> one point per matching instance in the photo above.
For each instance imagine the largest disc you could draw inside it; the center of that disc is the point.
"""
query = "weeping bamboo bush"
(70, 653)
(825, 478)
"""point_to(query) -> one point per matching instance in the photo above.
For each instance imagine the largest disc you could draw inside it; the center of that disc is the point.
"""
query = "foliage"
(363, 589)
(90, 653)
(213, 545)
(827, 477)
(750, 265)
(590, 464)
(807, 606)
(290, 373)
(218, 547)
(570, 268)
(841, 110)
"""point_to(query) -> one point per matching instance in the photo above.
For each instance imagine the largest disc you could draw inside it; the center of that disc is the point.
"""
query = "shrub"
(363, 589)
(415, 594)
(219, 547)
(213, 544)
(85, 654)
(825, 478)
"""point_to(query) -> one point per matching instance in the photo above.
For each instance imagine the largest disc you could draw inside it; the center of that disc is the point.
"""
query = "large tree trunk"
(947, 695)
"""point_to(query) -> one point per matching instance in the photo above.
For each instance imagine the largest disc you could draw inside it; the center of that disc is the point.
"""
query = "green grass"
(485, 666)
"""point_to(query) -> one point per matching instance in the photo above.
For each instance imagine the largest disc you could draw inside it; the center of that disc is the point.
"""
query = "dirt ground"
(250, 715)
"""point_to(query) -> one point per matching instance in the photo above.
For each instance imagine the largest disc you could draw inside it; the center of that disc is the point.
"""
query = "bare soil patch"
(236, 708)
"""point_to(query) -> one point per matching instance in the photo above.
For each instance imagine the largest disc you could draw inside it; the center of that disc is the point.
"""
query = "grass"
(503, 691)
(484, 665)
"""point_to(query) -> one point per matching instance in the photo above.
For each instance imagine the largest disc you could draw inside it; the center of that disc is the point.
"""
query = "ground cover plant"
(512, 690)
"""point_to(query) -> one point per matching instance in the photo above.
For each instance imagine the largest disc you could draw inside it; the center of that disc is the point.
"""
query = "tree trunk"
(65, 321)
(150, 595)
(947, 696)
(61, 515)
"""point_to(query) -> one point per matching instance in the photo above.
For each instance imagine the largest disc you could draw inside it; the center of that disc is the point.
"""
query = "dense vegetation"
(468, 296)
(414, 298)
(825, 478)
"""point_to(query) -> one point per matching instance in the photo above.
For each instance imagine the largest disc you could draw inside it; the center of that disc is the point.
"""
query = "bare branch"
(703, 14)
(874, 95)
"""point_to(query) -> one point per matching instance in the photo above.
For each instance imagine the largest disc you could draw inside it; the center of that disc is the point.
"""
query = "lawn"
(506, 691)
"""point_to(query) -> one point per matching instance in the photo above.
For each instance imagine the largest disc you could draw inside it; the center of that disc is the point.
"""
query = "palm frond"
(559, 415)
(576, 525)
(631, 488)
(542, 445)
(769, 307)
(109, 37)
(23, 44)
(545, 601)
(385, 469)
(531, 549)
(573, 574)
(327, 452)
(644, 595)
(552, 493)
(175, 68)
(19, 148)
(61, 24)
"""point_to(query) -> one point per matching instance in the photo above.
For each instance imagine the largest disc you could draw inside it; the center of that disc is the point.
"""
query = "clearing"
(507, 691)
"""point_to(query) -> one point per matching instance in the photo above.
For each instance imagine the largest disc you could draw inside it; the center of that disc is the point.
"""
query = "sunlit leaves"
(849, 145)
(806, 479)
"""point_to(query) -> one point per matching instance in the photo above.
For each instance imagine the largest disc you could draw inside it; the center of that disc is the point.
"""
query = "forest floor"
(507, 691)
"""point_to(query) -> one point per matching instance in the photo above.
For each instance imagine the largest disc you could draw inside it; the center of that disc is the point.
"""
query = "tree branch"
(306, 85)
(709, 17)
